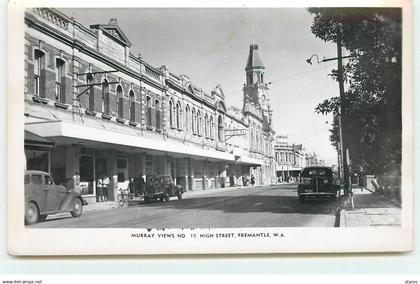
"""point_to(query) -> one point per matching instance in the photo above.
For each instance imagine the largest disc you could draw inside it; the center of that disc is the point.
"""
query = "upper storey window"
(178, 115)
(59, 77)
(157, 114)
(39, 63)
(132, 106)
(120, 103)
(171, 113)
(90, 92)
(105, 98)
(149, 111)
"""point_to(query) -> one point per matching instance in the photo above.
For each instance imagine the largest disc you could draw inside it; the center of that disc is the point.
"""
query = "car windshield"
(317, 172)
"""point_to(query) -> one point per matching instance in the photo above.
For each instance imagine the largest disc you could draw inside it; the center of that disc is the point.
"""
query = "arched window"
(39, 65)
(220, 128)
(149, 111)
(90, 92)
(257, 141)
(198, 121)
(187, 118)
(132, 106)
(178, 115)
(206, 125)
(59, 77)
(211, 127)
(105, 97)
(252, 138)
(193, 119)
(120, 102)
(157, 114)
(171, 113)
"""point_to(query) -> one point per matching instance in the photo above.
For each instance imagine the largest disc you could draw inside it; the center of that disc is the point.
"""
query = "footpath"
(370, 209)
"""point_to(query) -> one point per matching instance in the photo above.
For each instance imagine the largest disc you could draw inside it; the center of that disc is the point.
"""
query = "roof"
(113, 30)
(31, 139)
(254, 59)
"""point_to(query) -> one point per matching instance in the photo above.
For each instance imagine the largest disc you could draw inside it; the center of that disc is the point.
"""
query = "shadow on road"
(250, 204)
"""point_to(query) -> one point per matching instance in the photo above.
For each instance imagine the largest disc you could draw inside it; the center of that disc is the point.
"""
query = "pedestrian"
(252, 180)
(105, 183)
(99, 189)
(142, 185)
(131, 187)
(361, 176)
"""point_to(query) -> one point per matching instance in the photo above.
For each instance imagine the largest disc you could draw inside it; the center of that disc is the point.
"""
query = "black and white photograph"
(216, 126)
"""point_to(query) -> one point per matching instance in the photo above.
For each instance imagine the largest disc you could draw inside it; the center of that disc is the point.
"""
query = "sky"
(211, 46)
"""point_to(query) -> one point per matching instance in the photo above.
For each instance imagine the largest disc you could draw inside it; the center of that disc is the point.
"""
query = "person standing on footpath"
(362, 177)
(105, 183)
(99, 190)
(131, 187)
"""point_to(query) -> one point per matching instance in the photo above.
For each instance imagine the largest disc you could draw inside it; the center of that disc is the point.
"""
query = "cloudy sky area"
(211, 47)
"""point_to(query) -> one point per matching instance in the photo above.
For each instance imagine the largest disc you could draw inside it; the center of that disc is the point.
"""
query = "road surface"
(274, 206)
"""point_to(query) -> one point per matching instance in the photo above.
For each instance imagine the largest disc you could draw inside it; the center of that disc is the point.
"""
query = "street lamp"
(344, 169)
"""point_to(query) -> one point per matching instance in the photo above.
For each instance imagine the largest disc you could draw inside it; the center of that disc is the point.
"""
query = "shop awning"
(63, 129)
(31, 139)
(248, 161)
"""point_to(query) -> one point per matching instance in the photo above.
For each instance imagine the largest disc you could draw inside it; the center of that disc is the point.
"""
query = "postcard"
(209, 129)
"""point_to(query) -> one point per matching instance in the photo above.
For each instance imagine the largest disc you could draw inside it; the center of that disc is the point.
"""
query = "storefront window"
(122, 169)
(87, 176)
(37, 160)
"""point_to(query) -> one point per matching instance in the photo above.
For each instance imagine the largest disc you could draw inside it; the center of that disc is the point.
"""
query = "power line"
(307, 132)
(289, 77)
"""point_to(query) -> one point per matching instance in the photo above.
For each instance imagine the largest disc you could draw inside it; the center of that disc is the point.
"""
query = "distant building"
(312, 159)
(292, 158)
(108, 111)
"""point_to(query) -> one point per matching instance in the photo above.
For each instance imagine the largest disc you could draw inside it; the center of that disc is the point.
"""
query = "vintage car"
(44, 197)
(162, 188)
(317, 182)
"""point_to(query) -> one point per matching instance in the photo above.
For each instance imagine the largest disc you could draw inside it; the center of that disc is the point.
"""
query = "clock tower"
(256, 99)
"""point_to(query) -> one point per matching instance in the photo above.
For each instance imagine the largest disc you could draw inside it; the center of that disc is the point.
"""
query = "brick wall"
(30, 79)
(67, 90)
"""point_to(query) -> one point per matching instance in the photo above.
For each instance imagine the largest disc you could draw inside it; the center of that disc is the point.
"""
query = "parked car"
(44, 197)
(317, 182)
(162, 188)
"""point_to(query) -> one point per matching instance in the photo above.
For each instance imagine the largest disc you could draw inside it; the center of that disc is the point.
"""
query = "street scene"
(134, 118)
(237, 207)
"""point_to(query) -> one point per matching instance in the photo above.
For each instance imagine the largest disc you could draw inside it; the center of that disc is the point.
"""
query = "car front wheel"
(31, 213)
(78, 208)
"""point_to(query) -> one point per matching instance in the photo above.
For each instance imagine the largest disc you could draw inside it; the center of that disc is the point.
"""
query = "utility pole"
(341, 117)
(344, 167)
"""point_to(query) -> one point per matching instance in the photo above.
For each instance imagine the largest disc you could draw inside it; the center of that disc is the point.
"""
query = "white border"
(23, 241)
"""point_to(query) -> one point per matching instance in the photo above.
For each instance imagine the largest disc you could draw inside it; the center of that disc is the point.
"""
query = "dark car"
(317, 182)
(162, 188)
(44, 197)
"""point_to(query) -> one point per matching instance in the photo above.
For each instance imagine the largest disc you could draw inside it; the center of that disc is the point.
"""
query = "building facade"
(108, 111)
(292, 158)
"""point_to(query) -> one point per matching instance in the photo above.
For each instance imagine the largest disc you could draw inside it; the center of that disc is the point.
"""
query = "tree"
(372, 101)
